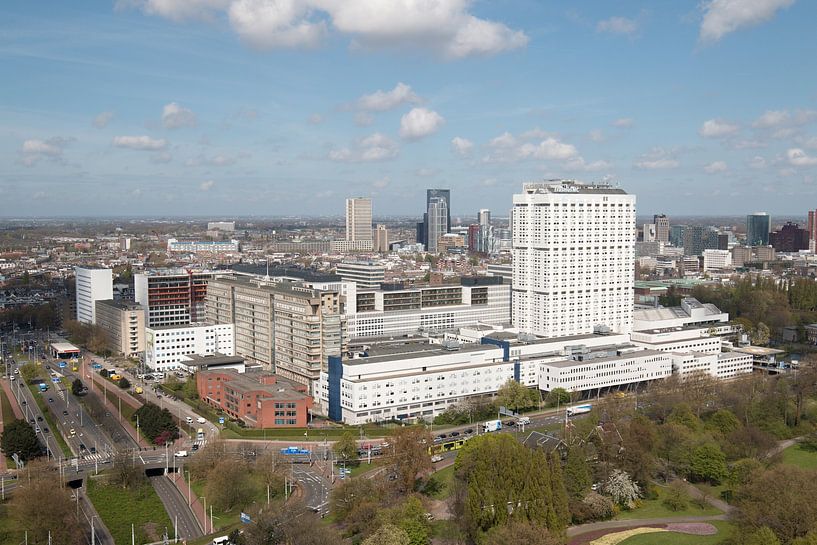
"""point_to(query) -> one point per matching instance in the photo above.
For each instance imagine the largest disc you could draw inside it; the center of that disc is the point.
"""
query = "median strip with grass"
(8, 418)
(120, 507)
(52, 423)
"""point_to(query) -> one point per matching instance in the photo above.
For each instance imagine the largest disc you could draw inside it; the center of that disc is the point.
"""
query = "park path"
(637, 523)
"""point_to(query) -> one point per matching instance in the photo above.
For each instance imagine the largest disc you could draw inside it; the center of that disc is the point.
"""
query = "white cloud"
(757, 162)
(808, 142)
(33, 150)
(624, 122)
(488, 182)
(178, 10)
(657, 159)
(315, 119)
(748, 144)
(269, 24)
(618, 25)
(724, 16)
(461, 146)
(716, 167)
(442, 26)
(376, 147)
(504, 140)
(781, 119)
(213, 161)
(578, 163)
(143, 143)
(381, 101)
(161, 158)
(597, 135)
(101, 121)
(799, 158)
(717, 128)
(382, 183)
(419, 123)
(363, 119)
(549, 148)
(176, 117)
(207, 186)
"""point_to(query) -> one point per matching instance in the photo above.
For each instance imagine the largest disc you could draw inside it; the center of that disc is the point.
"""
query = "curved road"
(177, 508)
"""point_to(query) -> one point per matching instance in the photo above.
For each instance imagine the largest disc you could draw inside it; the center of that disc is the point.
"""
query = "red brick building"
(260, 400)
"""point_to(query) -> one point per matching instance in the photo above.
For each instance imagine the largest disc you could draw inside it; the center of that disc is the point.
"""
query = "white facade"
(626, 367)
(650, 232)
(366, 275)
(359, 219)
(437, 225)
(717, 260)
(725, 365)
(342, 246)
(691, 312)
(221, 226)
(573, 258)
(495, 308)
(679, 339)
(165, 347)
(92, 285)
(203, 246)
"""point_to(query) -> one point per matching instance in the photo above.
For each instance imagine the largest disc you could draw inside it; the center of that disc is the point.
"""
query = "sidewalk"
(179, 481)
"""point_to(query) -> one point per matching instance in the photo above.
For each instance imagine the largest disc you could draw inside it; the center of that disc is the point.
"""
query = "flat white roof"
(64, 347)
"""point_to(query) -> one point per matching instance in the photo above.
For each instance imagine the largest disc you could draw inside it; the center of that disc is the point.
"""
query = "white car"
(436, 458)
(201, 420)
(189, 419)
(181, 454)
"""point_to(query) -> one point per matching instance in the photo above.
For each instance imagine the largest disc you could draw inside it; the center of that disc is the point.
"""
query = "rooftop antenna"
(266, 278)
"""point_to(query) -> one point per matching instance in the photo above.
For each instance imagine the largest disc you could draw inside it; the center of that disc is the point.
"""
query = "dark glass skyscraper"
(444, 194)
(758, 226)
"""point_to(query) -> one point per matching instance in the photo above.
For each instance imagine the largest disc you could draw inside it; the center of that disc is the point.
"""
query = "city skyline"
(217, 109)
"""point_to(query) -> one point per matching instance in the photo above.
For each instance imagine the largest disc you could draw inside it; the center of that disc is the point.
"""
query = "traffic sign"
(63, 365)
(221, 420)
(55, 380)
(245, 518)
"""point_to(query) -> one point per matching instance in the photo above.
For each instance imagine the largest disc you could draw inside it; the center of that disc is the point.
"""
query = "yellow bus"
(448, 445)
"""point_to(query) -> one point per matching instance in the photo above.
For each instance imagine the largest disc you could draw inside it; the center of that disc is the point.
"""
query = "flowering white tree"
(622, 488)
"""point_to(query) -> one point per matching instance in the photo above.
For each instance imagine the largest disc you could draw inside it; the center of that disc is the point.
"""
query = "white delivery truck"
(579, 409)
(492, 425)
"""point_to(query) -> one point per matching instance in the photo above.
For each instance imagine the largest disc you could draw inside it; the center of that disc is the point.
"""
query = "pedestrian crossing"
(95, 457)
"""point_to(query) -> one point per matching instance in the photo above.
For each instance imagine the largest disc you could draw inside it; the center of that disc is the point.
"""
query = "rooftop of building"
(172, 272)
(679, 312)
(251, 382)
(182, 326)
(282, 286)
(572, 186)
(307, 275)
(414, 348)
(563, 364)
(197, 360)
(758, 350)
(120, 304)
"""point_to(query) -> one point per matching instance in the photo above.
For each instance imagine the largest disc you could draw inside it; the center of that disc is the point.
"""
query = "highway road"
(32, 412)
(186, 524)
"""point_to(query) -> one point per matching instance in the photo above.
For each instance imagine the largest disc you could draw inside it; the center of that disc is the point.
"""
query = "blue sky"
(271, 107)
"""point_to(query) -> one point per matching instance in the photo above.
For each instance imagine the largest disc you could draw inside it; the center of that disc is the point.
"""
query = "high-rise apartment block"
(812, 230)
(758, 226)
(359, 219)
(367, 275)
(124, 325)
(790, 238)
(437, 216)
(172, 297)
(573, 258)
(92, 285)
(290, 328)
(381, 239)
(167, 347)
(661, 223)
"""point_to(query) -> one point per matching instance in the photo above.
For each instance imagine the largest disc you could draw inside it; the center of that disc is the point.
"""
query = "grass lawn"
(7, 529)
(673, 538)
(439, 485)
(52, 424)
(119, 508)
(225, 519)
(795, 455)
(656, 509)
(713, 491)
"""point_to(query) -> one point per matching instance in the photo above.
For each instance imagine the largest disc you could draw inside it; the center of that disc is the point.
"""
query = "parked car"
(455, 434)
(436, 458)
(469, 431)
(65, 413)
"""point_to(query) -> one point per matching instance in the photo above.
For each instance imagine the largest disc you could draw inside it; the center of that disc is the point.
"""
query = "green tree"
(760, 334)
(495, 471)
(761, 536)
(19, 438)
(123, 383)
(229, 485)
(388, 534)
(520, 532)
(345, 448)
(410, 516)
(708, 463)
(77, 387)
(190, 389)
(514, 396)
(157, 424)
(723, 421)
(808, 539)
(676, 497)
(621, 487)
(29, 372)
(409, 447)
(557, 397)
(577, 473)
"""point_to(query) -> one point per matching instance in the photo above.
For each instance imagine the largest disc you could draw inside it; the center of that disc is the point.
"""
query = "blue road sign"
(63, 365)
(221, 420)
(245, 518)
(55, 380)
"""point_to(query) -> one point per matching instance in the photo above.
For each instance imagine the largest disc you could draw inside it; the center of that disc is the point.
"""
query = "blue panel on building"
(505, 345)
(517, 371)
(335, 374)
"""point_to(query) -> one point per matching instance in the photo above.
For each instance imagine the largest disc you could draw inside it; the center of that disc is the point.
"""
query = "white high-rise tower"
(358, 218)
(573, 258)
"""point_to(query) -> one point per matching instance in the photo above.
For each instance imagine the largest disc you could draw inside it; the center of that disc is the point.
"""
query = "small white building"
(717, 260)
(166, 347)
(92, 285)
